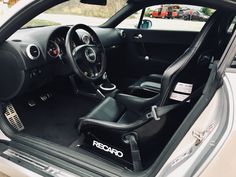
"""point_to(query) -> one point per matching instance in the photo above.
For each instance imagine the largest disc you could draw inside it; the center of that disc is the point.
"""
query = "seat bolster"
(108, 110)
(137, 104)
(85, 124)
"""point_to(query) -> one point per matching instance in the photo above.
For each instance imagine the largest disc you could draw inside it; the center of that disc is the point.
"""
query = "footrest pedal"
(13, 118)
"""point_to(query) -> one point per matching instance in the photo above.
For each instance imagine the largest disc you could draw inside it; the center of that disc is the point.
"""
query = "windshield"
(70, 12)
(73, 12)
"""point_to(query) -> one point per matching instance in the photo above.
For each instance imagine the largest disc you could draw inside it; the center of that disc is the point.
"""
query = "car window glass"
(132, 21)
(70, 13)
(171, 17)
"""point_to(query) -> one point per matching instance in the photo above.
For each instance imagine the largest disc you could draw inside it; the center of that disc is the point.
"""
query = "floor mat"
(54, 119)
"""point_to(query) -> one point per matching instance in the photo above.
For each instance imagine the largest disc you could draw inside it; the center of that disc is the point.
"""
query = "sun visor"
(94, 2)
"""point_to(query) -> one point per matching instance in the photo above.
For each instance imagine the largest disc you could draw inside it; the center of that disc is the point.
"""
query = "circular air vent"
(32, 52)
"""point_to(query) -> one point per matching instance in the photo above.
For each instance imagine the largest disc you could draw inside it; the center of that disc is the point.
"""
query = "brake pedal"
(46, 96)
(13, 118)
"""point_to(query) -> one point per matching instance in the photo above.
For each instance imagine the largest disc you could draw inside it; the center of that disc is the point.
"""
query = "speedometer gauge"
(53, 49)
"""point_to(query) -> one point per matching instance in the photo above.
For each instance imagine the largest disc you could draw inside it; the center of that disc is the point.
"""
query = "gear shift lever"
(105, 78)
(107, 85)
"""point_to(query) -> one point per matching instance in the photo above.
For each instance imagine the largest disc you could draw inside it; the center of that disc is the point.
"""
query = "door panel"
(162, 48)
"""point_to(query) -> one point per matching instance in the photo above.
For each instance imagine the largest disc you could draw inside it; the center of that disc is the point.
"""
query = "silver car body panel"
(12, 169)
(37, 164)
(4, 137)
(207, 136)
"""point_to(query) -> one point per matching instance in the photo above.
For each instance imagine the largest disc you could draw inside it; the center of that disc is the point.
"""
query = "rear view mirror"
(95, 2)
(146, 24)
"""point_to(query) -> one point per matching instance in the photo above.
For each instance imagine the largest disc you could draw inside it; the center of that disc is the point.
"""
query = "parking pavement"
(3, 175)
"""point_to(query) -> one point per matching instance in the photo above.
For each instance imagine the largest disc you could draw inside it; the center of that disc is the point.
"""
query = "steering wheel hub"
(90, 54)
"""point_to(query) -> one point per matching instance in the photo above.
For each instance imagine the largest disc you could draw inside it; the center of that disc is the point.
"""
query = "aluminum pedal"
(13, 118)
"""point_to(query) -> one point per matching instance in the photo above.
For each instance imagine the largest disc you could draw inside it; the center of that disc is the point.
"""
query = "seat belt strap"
(158, 112)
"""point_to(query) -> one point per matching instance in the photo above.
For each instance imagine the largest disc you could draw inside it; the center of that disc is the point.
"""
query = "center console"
(146, 90)
(148, 86)
(107, 88)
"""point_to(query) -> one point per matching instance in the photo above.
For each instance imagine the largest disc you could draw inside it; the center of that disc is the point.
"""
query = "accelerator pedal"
(13, 118)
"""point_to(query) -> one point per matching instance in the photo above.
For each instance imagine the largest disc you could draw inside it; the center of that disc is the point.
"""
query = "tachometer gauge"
(86, 39)
(53, 49)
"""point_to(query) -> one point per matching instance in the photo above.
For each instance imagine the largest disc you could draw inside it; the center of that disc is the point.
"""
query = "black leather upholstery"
(137, 104)
(111, 113)
(108, 110)
(113, 119)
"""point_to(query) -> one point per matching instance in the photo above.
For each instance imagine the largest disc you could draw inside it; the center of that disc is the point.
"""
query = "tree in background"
(148, 12)
(206, 11)
(9, 2)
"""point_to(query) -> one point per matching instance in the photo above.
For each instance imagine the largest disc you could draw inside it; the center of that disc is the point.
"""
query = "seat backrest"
(180, 64)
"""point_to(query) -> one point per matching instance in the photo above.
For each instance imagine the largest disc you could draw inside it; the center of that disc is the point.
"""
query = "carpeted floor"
(54, 119)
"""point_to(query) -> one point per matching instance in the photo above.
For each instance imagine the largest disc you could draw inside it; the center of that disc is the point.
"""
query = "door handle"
(139, 36)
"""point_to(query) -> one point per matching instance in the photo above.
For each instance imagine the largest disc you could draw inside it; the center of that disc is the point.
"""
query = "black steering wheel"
(88, 61)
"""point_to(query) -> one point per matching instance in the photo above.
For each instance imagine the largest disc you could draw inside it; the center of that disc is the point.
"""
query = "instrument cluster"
(56, 48)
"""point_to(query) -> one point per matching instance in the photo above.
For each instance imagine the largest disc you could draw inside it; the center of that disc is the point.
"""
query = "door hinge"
(200, 136)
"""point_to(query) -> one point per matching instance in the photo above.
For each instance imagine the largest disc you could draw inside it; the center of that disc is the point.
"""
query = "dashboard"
(32, 57)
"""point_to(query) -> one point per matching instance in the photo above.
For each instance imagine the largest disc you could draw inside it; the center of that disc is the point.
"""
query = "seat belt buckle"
(153, 113)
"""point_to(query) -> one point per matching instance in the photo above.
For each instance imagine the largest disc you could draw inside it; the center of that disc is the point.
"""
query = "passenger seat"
(153, 82)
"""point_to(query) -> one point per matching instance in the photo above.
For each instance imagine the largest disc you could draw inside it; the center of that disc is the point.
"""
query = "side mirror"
(146, 24)
(95, 2)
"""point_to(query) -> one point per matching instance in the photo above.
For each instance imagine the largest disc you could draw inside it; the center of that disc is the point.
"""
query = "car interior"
(117, 94)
